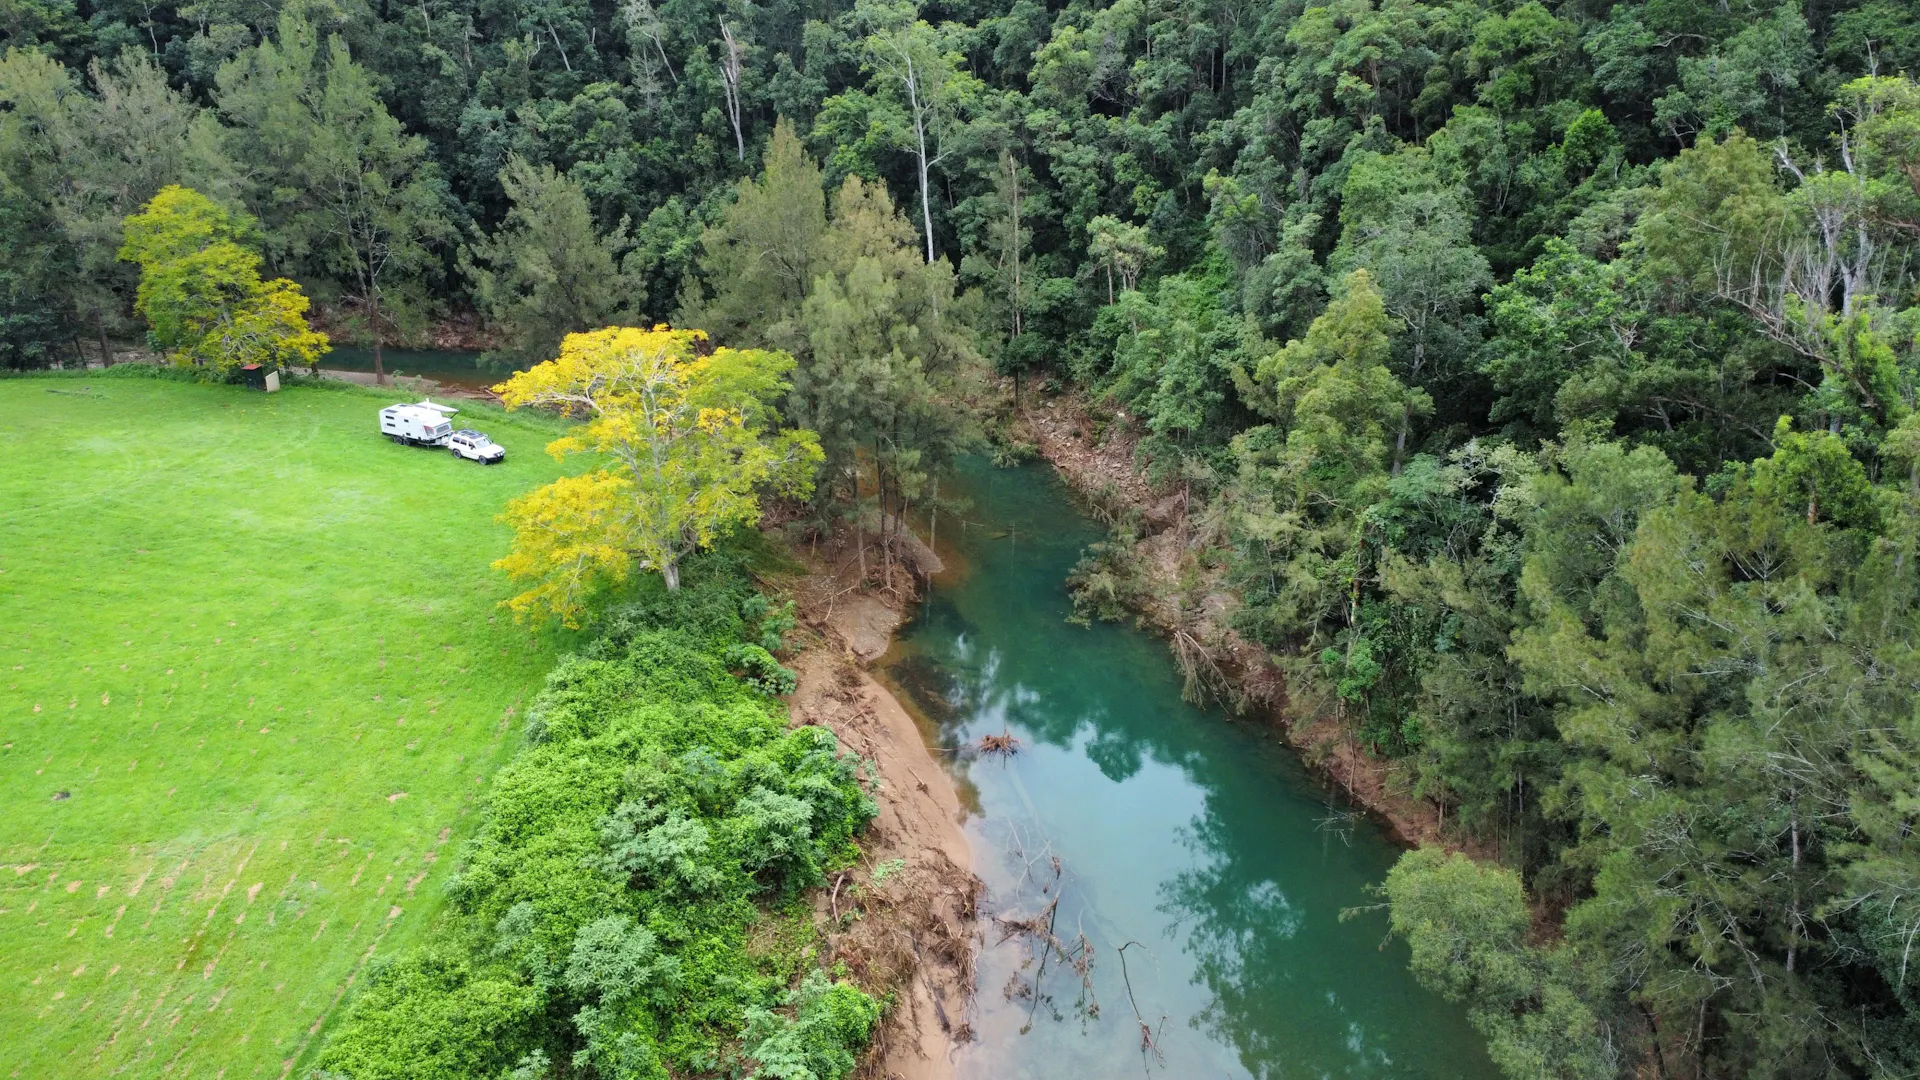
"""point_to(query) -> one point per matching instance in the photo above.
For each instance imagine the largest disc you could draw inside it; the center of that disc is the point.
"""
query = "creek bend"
(1202, 841)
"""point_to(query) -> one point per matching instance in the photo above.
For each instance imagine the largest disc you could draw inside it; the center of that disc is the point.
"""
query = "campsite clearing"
(252, 682)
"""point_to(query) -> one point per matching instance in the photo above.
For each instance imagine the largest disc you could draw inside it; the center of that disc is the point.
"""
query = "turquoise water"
(1199, 840)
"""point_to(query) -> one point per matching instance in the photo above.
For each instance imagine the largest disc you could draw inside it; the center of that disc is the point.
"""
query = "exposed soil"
(903, 921)
(462, 330)
(1189, 603)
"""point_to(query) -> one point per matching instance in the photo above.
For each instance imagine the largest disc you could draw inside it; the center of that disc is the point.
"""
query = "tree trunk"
(1793, 915)
(926, 197)
(1406, 411)
(671, 572)
(730, 82)
(1018, 301)
(379, 362)
(920, 155)
(100, 324)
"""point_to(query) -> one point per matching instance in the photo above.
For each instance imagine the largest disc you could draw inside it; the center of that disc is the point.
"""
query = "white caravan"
(424, 424)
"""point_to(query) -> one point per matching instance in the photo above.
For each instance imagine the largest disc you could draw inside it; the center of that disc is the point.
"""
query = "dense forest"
(1543, 378)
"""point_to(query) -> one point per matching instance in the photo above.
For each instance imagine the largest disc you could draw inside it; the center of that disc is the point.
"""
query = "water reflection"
(1132, 821)
(446, 366)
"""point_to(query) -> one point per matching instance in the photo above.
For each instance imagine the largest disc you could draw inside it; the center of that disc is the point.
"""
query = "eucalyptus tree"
(916, 69)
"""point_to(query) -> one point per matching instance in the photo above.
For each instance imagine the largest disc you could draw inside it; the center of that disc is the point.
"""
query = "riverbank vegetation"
(1540, 379)
(634, 903)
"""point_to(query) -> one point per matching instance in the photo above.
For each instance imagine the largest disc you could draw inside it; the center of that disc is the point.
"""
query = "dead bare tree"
(1149, 1043)
(1038, 936)
(1816, 275)
(730, 82)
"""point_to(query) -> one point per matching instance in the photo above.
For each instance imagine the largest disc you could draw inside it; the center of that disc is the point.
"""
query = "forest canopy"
(1542, 377)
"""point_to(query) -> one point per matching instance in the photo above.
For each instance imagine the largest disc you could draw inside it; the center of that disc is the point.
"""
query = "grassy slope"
(234, 626)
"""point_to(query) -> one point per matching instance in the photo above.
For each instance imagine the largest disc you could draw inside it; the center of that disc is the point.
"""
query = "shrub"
(760, 670)
(830, 1021)
(602, 913)
(428, 1017)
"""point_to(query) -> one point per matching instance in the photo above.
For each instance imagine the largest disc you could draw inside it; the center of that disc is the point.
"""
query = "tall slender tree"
(546, 272)
(917, 70)
(359, 199)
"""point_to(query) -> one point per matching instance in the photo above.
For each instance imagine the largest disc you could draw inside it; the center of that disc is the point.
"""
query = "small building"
(260, 377)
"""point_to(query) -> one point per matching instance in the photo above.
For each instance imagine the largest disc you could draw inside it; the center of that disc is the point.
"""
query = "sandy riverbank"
(913, 930)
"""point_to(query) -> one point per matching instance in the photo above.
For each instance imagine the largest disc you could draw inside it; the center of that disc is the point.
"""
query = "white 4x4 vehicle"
(475, 447)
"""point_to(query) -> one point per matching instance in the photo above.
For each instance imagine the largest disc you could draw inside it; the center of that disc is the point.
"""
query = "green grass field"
(256, 645)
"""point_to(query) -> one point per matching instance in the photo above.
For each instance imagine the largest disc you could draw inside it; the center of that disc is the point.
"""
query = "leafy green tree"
(201, 291)
(878, 354)
(352, 194)
(36, 326)
(1747, 81)
(87, 161)
(1580, 341)
(759, 258)
(1299, 502)
(1412, 236)
(1804, 266)
(1467, 924)
(546, 272)
(861, 312)
(1121, 251)
(1173, 351)
(1699, 683)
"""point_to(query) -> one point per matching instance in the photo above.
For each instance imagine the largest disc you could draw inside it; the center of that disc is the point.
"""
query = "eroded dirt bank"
(904, 919)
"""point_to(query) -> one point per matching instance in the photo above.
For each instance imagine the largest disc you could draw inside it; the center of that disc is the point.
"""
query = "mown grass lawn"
(256, 646)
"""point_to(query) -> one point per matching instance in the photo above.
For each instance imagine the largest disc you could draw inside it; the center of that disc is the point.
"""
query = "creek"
(1204, 867)
(451, 367)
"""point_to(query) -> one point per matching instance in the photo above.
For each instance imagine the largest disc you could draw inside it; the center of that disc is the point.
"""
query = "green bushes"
(430, 1016)
(813, 1042)
(661, 814)
(760, 669)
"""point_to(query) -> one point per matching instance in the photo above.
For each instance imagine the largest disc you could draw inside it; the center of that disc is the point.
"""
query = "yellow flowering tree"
(201, 291)
(690, 442)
